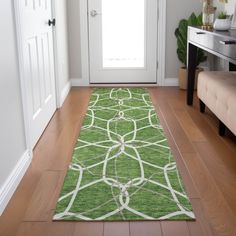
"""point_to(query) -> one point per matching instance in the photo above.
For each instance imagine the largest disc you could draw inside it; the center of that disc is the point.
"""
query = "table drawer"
(219, 44)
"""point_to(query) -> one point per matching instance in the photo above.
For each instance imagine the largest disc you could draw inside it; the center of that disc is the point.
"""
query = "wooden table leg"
(192, 60)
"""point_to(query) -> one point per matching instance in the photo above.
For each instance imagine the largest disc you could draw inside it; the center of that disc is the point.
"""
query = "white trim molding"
(171, 82)
(12, 182)
(25, 99)
(56, 58)
(161, 43)
(64, 93)
(79, 82)
(84, 42)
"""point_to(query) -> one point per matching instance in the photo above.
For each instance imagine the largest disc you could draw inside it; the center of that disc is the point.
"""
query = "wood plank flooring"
(206, 162)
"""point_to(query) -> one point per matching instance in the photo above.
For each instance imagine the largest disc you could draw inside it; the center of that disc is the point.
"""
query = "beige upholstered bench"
(217, 90)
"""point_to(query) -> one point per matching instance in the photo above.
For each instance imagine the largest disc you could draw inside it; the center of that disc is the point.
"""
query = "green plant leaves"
(222, 15)
(181, 34)
(192, 20)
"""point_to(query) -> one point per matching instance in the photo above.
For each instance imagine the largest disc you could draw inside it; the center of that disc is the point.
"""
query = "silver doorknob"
(93, 13)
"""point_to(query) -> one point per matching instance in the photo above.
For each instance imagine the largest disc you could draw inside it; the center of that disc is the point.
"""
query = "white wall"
(177, 10)
(74, 38)
(12, 139)
(230, 6)
(221, 64)
(220, 6)
(61, 44)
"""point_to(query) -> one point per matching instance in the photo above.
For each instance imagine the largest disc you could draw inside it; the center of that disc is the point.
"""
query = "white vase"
(222, 24)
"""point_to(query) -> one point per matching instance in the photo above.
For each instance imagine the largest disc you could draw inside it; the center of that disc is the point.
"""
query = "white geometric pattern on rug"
(122, 142)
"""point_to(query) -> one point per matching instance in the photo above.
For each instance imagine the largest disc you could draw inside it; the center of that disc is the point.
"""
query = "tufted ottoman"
(217, 90)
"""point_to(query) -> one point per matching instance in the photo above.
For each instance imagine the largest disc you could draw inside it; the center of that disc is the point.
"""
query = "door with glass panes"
(123, 41)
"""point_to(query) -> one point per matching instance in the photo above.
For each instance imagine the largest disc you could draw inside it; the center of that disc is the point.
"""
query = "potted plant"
(181, 34)
(222, 22)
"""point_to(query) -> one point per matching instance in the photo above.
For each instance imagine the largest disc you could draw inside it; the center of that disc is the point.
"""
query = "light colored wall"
(62, 42)
(12, 141)
(221, 64)
(74, 38)
(176, 10)
(230, 7)
(220, 6)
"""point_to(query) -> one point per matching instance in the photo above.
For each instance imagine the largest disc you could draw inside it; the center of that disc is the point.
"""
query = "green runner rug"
(122, 167)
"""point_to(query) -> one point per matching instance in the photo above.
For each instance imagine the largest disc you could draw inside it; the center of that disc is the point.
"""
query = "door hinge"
(157, 64)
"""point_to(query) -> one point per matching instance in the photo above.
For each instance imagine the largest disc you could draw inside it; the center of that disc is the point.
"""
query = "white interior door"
(123, 41)
(38, 63)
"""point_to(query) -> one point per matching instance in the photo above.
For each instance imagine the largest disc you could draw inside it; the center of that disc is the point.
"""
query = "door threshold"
(123, 85)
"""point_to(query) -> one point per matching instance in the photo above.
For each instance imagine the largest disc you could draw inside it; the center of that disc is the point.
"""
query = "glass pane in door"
(123, 33)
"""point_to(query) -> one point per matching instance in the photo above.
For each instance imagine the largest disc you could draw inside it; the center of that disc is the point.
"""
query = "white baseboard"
(65, 92)
(12, 182)
(79, 82)
(171, 82)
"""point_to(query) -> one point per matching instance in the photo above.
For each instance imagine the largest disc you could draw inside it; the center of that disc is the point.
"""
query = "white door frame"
(161, 43)
(25, 104)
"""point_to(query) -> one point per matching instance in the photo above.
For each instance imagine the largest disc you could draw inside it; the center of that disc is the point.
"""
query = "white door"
(38, 63)
(123, 41)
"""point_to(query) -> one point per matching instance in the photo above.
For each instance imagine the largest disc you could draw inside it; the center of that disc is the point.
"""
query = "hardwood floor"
(206, 161)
